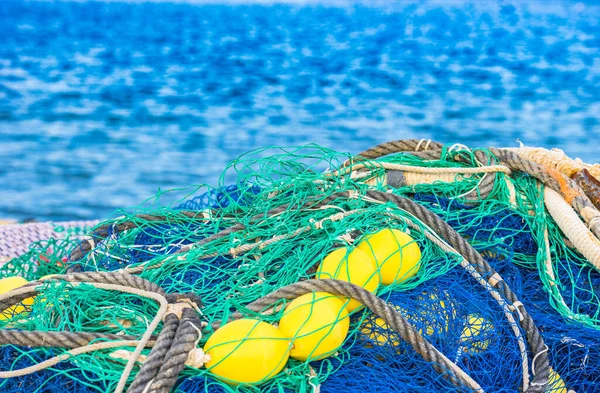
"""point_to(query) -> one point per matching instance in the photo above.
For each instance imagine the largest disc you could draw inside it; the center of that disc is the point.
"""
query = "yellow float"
(397, 255)
(8, 284)
(351, 265)
(471, 337)
(555, 383)
(317, 323)
(430, 321)
(437, 315)
(379, 332)
(246, 351)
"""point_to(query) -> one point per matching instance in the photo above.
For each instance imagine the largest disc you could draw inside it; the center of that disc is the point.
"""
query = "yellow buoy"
(246, 351)
(379, 332)
(397, 255)
(351, 265)
(433, 318)
(317, 323)
(8, 284)
(555, 383)
(471, 337)
(436, 314)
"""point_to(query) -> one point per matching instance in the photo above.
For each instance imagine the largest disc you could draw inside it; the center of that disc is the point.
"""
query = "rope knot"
(197, 358)
(316, 224)
(179, 302)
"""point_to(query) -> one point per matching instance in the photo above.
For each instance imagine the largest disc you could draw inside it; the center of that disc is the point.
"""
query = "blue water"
(102, 103)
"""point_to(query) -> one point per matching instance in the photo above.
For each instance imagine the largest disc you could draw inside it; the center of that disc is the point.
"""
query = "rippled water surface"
(103, 103)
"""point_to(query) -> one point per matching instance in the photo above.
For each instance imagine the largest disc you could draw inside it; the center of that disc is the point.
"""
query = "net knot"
(316, 224)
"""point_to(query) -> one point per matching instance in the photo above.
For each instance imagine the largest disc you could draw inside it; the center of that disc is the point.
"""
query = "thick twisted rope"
(534, 338)
(186, 338)
(556, 159)
(384, 149)
(589, 184)
(558, 182)
(506, 308)
(156, 357)
(119, 278)
(180, 306)
(59, 339)
(568, 221)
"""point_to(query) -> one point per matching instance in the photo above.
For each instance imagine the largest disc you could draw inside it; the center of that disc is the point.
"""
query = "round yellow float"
(351, 265)
(437, 315)
(433, 318)
(246, 351)
(379, 332)
(317, 323)
(397, 254)
(476, 327)
(8, 284)
(555, 383)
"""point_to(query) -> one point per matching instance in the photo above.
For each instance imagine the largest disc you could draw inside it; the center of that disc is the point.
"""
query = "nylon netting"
(280, 238)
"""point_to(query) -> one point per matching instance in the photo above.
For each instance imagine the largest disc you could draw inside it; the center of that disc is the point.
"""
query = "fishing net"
(287, 209)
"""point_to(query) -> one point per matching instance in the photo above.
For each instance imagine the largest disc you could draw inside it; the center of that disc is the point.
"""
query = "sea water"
(103, 103)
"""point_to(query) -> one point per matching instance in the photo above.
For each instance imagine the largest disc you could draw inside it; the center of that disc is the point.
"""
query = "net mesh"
(280, 239)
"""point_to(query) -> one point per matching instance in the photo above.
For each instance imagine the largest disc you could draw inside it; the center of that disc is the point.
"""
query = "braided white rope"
(572, 226)
(557, 159)
(420, 169)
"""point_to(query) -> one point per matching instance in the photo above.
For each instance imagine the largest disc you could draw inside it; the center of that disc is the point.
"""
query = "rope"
(58, 339)
(556, 159)
(575, 230)
(481, 191)
(559, 182)
(589, 184)
(155, 358)
(424, 170)
(182, 307)
(534, 338)
(394, 147)
(186, 338)
(65, 356)
(506, 308)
